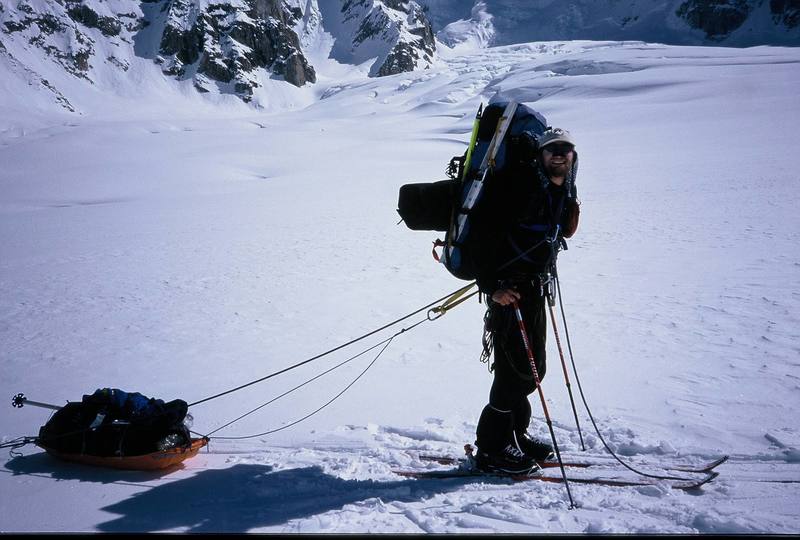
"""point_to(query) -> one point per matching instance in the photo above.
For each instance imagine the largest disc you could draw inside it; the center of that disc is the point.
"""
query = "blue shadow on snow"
(237, 499)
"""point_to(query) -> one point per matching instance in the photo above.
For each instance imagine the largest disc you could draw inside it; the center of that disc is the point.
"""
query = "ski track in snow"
(179, 250)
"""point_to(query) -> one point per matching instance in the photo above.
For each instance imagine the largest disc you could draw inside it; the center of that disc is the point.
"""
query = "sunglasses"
(559, 149)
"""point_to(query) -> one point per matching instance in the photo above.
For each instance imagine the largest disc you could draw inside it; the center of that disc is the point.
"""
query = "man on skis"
(521, 223)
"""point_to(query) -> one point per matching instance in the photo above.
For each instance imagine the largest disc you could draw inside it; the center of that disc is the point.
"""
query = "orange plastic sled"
(146, 462)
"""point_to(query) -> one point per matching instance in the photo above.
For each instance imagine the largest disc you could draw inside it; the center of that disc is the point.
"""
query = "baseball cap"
(554, 135)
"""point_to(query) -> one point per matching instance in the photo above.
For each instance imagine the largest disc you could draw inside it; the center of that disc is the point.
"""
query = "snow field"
(183, 253)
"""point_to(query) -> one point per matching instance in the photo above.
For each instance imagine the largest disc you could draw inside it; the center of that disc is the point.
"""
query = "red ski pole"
(550, 304)
(528, 349)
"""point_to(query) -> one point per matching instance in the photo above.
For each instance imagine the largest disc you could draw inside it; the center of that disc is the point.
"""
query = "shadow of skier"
(251, 496)
(240, 498)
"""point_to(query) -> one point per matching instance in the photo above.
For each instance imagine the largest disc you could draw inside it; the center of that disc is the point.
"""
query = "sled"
(153, 461)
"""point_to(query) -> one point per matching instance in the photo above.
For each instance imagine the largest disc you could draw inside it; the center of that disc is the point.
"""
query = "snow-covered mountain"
(476, 31)
(690, 22)
(226, 42)
(220, 46)
(393, 36)
(224, 46)
(57, 50)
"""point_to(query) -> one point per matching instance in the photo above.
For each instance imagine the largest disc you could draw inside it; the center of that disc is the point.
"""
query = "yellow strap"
(454, 300)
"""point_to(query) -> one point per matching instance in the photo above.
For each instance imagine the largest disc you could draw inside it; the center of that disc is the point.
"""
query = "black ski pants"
(509, 410)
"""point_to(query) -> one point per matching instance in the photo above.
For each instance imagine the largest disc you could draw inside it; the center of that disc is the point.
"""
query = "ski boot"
(533, 448)
(509, 460)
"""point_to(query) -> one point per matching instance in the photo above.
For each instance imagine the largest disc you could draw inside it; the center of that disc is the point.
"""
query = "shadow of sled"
(46, 465)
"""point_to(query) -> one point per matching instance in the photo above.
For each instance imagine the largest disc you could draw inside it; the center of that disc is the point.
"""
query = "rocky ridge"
(225, 42)
(236, 46)
(220, 46)
(398, 32)
(224, 46)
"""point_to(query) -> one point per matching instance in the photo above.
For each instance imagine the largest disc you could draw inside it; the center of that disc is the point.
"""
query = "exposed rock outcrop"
(225, 43)
(717, 18)
(398, 33)
(227, 46)
(785, 12)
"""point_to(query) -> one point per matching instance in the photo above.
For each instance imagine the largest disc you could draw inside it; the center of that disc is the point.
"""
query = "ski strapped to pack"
(451, 256)
(450, 206)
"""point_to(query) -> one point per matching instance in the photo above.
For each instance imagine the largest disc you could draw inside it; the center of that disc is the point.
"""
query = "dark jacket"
(517, 211)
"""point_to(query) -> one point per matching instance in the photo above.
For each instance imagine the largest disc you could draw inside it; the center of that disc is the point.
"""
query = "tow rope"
(443, 299)
(446, 302)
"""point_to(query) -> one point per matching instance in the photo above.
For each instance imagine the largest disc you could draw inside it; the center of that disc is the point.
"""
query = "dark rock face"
(734, 23)
(231, 46)
(717, 18)
(402, 58)
(785, 12)
(402, 25)
(83, 14)
(226, 45)
(37, 28)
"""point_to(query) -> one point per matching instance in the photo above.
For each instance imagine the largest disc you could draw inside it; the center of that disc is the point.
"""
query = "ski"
(476, 187)
(448, 460)
(472, 140)
(686, 485)
(707, 468)
(700, 469)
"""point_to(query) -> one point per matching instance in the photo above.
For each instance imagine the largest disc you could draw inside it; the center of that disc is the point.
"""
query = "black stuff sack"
(113, 422)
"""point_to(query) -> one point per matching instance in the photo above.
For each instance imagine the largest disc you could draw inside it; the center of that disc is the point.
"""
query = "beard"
(558, 171)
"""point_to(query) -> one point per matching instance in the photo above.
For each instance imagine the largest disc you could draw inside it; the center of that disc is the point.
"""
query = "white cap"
(554, 135)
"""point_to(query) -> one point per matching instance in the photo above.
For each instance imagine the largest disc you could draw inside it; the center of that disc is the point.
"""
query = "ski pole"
(586, 405)
(551, 302)
(532, 361)
(20, 400)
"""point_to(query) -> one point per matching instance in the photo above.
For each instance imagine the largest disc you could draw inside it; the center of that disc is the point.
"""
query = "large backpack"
(112, 422)
(448, 204)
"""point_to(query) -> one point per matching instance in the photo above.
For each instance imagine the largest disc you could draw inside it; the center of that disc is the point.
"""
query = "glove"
(572, 213)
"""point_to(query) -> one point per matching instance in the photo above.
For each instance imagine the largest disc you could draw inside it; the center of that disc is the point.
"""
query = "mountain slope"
(225, 46)
(393, 36)
(64, 51)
